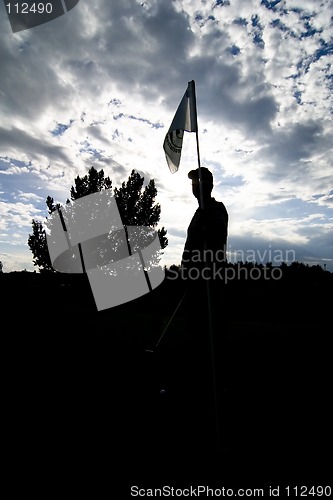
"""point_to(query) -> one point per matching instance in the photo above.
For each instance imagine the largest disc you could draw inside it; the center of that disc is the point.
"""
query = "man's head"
(207, 182)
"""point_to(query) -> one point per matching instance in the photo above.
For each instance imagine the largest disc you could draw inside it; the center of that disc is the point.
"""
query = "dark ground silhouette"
(88, 406)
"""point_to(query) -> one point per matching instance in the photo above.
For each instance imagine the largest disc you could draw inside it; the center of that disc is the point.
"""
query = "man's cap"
(206, 175)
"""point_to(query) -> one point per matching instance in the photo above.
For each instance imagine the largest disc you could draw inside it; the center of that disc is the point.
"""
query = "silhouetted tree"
(136, 206)
(94, 182)
(38, 245)
(1, 266)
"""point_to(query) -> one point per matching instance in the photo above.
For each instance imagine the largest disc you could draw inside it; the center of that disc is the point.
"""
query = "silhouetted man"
(205, 247)
(203, 266)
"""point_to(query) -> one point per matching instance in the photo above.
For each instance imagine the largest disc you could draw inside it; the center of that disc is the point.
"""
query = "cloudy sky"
(100, 85)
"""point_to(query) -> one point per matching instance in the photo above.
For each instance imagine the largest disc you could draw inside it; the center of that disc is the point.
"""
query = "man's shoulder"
(218, 206)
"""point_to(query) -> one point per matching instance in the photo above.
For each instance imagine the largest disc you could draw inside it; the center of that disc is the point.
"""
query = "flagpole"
(208, 287)
(201, 201)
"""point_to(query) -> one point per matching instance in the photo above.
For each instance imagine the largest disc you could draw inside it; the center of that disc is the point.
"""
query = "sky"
(100, 85)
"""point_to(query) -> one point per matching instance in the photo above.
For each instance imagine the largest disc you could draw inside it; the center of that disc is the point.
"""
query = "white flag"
(184, 119)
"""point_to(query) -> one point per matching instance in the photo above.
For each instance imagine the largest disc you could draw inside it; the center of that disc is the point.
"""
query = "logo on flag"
(185, 119)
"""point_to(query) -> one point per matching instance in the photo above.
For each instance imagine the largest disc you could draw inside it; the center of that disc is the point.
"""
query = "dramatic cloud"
(100, 86)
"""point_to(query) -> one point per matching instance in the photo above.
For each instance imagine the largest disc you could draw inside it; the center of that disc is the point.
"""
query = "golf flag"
(184, 119)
